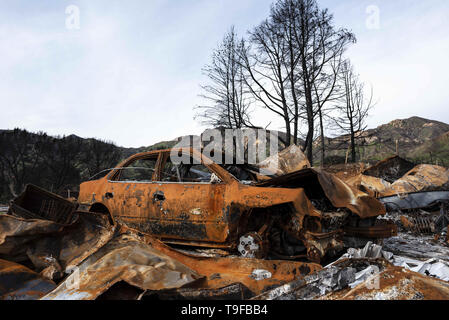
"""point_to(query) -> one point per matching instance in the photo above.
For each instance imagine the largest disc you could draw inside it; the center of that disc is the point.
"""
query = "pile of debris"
(369, 274)
(295, 212)
(289, 160)
(395, 176)
(51, 249)
(80, 255)
(3, 209)
(420, 212)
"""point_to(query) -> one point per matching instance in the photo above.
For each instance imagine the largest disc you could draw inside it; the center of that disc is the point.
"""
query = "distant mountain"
(61, 163)
(434, 151)
(409, 132)
(127, 152)
(417, 139)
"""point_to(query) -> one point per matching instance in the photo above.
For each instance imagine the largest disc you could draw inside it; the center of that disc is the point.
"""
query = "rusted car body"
(114, 261)
(215, 209)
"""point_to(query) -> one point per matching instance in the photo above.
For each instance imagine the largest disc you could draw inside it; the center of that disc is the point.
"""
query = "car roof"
(222, 173)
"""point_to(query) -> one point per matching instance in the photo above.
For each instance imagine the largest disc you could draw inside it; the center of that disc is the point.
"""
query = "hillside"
(58, 163)
(61, 163)
(127, 152)
(417, 139)
(434, 151)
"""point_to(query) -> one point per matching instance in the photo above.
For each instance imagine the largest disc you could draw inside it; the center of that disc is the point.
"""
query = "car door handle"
(109, 195)
(158, 196)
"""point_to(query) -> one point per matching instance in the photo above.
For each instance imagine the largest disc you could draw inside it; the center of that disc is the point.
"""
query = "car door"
(129, 192)
(188, 203)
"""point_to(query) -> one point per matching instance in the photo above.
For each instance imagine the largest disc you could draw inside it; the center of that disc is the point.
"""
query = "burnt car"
(305, 214)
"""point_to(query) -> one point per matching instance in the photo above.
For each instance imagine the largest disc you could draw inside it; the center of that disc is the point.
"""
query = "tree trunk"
(288, 139)
(310, 143)
(309, 106)
(353, 153)
(322, 139)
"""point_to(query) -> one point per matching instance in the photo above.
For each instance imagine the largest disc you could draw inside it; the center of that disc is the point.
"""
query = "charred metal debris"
(150, 229)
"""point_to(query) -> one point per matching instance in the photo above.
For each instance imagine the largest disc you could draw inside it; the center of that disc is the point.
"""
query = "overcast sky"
(131, 72)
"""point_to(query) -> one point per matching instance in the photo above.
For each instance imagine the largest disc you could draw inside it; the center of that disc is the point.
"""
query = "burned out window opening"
(140, 170)
(102, 174)
(187, 173)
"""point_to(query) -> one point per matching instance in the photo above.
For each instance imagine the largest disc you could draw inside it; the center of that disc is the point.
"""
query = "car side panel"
(131, 203)
(189, 211)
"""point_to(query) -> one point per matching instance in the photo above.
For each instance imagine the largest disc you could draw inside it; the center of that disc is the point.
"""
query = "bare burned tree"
(294, 62)
(3, 183)
(99, 155)
(319, 45)
(59, 159)
(228, 100)
(54, 163)
(266, 66)
(354, 106)
(19, 159)
(327, 89)
(289, 65)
